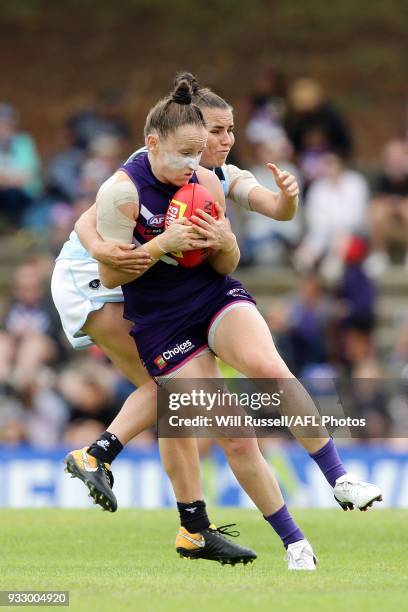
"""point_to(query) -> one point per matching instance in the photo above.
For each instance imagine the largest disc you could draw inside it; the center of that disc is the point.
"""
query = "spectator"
(399, 353)
(79, 432)
(314, 127)
(356, 291)
(64, 169)
(335, 208)
(309, 315)
(365, 394)
(44, 412)
(268, 240)
(28, 340)
(33, 413)
(61, 219)
(89, 390)
(105, 154)
(389, 206)
(355, 318)
(267, 105)
(106, 119)
(12, 426)
(20, 180)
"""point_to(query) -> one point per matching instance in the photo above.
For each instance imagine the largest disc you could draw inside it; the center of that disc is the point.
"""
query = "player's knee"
(268, 368)
(239, 447)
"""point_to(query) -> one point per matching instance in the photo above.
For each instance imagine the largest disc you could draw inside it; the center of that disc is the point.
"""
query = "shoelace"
(223, 530)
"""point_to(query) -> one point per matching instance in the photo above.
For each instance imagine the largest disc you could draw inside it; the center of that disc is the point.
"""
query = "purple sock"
(328, 460)
(285, 526)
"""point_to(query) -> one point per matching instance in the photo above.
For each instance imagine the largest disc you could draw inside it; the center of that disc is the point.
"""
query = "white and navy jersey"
(222, 174)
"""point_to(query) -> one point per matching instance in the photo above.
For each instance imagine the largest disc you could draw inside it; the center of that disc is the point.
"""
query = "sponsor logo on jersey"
(160, 362)
(238, 291)
(153, 227)
(179, 349)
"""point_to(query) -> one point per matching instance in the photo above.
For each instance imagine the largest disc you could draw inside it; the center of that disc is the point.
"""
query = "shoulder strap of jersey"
(136, 154)
(222, 174)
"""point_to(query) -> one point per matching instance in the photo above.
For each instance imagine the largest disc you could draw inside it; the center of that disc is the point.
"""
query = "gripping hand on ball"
(216, 232)
(181, 236)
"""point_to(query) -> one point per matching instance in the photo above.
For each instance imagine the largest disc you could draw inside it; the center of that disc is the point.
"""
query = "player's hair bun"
(190, 78)
(183, 93)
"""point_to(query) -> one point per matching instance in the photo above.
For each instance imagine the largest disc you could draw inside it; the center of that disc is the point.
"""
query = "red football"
(184, 204)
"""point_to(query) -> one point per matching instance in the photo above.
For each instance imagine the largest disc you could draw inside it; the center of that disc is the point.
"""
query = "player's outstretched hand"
(122, 257)
(217, 232)
(180, 236)
(286, 182)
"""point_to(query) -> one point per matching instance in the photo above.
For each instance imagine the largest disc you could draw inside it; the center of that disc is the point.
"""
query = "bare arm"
(85, 227)
(117, 208)
(247, 192)
(226, 260)
(179, 236)
(117, 255)
(117, 212)
(111, 277)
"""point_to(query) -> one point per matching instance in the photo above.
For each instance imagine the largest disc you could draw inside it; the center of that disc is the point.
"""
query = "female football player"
(219, 119)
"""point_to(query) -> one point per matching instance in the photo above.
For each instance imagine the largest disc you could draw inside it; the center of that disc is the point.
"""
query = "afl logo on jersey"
(156, 221)
(95, 283)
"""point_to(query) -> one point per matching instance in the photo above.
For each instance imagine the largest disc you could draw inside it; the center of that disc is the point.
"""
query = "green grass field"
(126, 561)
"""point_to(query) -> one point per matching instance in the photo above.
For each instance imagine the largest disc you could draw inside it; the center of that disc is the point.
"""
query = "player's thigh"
(184, 380)
(203, 366)
(110, 331)
(243, 340)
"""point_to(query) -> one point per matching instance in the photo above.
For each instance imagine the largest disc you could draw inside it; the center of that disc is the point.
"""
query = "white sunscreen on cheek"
(178, 162)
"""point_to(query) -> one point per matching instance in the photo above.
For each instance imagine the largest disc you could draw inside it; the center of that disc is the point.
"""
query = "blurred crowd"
(352, 227)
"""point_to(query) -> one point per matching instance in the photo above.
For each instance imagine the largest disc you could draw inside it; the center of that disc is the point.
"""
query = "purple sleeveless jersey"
(171, 307)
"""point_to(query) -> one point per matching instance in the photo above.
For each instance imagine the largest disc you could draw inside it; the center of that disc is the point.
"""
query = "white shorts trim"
(75, 298)
(219, 317)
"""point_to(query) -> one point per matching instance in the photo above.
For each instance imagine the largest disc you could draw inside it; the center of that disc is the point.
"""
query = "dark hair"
(203, 97)
(176, 110)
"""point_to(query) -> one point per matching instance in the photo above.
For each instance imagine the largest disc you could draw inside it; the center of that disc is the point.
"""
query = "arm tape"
(112, 224)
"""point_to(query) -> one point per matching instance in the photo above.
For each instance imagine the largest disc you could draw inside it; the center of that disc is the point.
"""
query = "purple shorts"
(167, 346)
